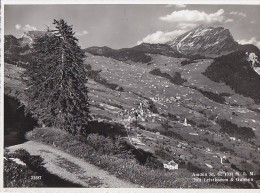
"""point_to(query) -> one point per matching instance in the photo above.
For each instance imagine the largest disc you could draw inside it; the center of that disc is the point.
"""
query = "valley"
(169, 107)
(180, 102)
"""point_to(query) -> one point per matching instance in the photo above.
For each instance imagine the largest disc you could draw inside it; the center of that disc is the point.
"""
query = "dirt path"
(71, 168)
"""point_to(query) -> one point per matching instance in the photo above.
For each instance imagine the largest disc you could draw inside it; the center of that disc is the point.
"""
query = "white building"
(171, 165)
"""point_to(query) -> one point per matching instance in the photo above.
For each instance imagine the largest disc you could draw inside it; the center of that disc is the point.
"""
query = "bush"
(106, 145)
(185, 62)
(94, 74)
(16, 175)
(176, 79)
(232, 129)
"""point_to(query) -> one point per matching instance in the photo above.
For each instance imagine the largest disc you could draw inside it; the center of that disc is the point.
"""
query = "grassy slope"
(192, 104)
(18, 175)
(13, 81)
(181, 102)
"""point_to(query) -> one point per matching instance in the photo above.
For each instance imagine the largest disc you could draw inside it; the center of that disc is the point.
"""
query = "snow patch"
(179, 44)
(193, 133)
(210, 166)
(18, 161)
(108, 106)
(253, 58)
(211, 45)
(201, 32)
(137, 141)
(257, 70)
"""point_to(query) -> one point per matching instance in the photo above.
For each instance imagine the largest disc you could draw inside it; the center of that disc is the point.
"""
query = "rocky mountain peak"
(29, 37)
(205, 41)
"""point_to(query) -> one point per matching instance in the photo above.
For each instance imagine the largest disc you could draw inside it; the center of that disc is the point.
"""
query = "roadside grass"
(110, 155)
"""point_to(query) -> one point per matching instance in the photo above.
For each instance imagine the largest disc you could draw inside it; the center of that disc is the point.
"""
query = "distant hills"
(121, 54)
(200, 42)
(18, 50)
(137, 53)
(231, 63)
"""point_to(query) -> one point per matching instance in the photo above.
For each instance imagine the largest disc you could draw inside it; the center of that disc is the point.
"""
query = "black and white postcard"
(130, 95)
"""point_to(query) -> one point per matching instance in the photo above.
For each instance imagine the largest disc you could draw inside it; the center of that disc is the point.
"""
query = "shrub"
(176, 79)
(233, 130)
(185, 62)
(16, 175)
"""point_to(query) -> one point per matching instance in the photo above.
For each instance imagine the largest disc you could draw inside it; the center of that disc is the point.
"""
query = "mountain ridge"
(200, 42)
(207, 41)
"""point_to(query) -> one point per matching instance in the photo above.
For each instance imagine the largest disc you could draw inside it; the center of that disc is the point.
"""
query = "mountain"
(99, 50)
(205, 41)
(14, 53)
(11, 45)
(139, 53)
(240, 70)
(18, 50)
(162, 49)
(200, 42)
(124, 54)
(29, 37)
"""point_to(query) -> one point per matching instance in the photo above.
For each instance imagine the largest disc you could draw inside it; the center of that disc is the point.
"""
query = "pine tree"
(57, 92)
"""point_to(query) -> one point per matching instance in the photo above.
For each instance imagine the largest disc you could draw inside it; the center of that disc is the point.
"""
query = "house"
(171, 165)
(232, 138)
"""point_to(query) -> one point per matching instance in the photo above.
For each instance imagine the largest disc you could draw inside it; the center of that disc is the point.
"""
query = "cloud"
(28, 27)
(18, 27)
(180, 5)
(237, 13)
(176, 5)
(184, 20)
(253, 40)
(160, 37)
(83, 33)
(194, 16)
(229, 20)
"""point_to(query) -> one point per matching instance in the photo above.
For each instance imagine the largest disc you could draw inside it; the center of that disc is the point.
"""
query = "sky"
(122, 26)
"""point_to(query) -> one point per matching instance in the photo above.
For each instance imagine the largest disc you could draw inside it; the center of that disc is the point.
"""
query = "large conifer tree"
(57, 93)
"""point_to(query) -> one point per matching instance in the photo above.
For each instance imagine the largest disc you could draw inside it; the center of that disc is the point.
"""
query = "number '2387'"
(36, 177)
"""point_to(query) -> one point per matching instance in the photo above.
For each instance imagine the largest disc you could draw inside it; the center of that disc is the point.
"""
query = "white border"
(242, 2)
(127, 190)
(2, 98)
(114, 190)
